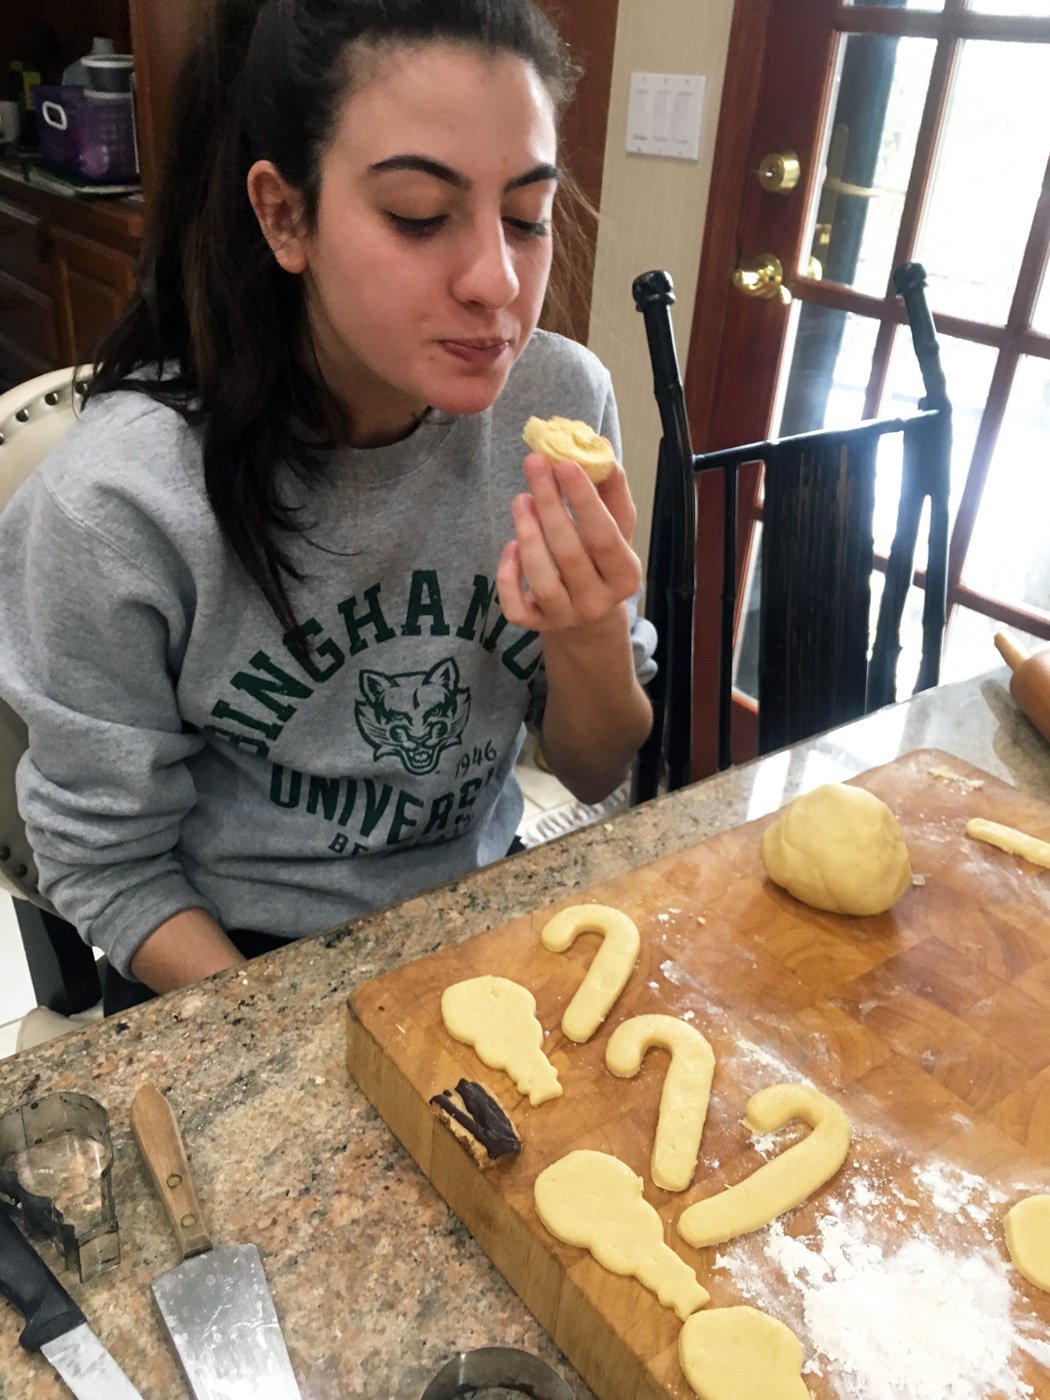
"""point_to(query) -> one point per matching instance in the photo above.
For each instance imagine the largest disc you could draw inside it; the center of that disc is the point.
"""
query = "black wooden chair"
(817, 664)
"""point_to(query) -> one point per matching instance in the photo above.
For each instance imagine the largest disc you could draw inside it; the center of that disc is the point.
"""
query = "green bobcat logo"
(415, 716)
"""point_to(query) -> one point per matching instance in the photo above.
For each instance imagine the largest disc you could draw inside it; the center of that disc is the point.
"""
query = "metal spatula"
(216, 1305)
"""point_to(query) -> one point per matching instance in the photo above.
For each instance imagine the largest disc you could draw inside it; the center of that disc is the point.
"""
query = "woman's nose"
(487, 275)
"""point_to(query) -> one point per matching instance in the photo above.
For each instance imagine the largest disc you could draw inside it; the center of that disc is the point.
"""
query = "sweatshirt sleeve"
(89, 654)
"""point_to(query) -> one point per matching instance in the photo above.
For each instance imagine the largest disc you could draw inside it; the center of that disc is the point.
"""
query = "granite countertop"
(376, 1283)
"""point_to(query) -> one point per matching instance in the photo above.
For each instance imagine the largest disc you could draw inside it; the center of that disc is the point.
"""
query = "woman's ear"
(279, 208)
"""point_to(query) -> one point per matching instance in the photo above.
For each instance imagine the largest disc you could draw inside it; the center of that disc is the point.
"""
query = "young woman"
(277, 607)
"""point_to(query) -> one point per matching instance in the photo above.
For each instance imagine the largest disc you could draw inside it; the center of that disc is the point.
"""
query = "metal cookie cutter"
(475, 1373)
(92, 1245)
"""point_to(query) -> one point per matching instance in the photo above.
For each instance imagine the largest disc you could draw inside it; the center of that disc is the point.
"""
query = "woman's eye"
(416, 228)
(527, 228)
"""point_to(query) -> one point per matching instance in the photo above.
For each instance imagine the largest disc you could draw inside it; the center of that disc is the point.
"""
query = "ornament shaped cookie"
(498, 1018)
(569, 440)
(594, 1201)
(610, 968)
(784, 1182)
(838, 848)
(741, 1354)
(686, 1092)
(1027, 1227)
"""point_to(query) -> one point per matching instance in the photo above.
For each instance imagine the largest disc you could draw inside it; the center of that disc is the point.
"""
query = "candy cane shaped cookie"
(784, 1182)
(610, 968)
(686, 1092)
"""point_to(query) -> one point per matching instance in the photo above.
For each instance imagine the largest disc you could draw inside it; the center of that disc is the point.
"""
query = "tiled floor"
(550, 810)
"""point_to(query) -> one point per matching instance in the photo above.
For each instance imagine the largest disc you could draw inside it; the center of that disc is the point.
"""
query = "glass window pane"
(969, 647)
(1011, 7)
(968, 369)
(1008, 555)
(908, 5)
(870, 144)
(830, 365)
(1041, 315)
(987, 179)
(745, 656)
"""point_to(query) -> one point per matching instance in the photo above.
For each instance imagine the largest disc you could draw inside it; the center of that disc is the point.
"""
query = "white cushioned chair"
(33, 416)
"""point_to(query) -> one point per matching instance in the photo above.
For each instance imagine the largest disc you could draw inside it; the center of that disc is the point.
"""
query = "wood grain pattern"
(929, 1025)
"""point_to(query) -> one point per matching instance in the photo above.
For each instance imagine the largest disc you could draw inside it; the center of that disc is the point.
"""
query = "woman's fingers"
(515, 604)
(547, 588)
(604, 518)
(571, 561)
(618, 501)
(561, 534)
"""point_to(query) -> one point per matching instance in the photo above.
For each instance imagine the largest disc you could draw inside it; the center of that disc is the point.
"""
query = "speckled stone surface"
(375, 1282)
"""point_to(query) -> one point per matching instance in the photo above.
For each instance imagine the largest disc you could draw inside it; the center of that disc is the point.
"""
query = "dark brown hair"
(215, 330)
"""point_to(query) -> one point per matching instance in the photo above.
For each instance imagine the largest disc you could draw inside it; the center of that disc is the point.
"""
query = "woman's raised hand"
(570, 561)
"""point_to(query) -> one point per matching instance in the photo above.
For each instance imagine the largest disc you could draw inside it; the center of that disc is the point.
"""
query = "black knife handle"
(27, 1282)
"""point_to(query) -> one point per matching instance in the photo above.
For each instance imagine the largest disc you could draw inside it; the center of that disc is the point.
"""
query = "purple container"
(88, 134)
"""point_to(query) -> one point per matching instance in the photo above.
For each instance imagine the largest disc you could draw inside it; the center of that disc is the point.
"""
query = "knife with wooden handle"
(216, 1304)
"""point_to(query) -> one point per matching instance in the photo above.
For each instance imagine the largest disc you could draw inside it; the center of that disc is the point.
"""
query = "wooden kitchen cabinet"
(96, 283)
(67, 266)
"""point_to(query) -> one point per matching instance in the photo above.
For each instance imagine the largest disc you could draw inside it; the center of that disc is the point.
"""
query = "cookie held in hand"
(569, 440)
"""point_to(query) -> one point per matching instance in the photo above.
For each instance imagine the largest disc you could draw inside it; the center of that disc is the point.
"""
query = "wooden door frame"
(751, 72)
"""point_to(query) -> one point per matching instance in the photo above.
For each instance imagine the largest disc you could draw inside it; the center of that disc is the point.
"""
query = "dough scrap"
(593, 1200)
(498, 1018)
(1009, 839)
(784, 1182)
(686, 1092)
(610, 968)
(569, 440)
(838, 848)
(1027, 1227)
(741, 1353)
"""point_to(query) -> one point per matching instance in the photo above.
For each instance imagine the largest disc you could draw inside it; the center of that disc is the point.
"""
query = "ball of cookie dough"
(569, 440)
(838, 848)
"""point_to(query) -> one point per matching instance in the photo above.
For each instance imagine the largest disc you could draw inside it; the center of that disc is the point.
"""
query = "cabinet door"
(29, 342)
(96, 283)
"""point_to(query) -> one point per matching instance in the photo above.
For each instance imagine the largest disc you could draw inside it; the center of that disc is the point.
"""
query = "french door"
(854, 138)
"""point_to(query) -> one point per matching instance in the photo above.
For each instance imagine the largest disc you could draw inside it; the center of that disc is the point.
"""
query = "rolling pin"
(1030, 681)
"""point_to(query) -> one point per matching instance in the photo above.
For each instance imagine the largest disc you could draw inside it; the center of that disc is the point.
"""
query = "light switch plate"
(664, 114)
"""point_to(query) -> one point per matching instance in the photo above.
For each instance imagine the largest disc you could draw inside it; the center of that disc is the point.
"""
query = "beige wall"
(653, 212)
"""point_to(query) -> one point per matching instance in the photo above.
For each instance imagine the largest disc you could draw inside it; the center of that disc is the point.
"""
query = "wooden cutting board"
(930, 1025)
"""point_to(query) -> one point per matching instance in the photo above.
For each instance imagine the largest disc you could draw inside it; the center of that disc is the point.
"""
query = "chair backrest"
(817, 557)
(33, 416)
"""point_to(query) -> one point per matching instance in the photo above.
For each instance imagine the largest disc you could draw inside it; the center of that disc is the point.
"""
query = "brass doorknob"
(763, 277)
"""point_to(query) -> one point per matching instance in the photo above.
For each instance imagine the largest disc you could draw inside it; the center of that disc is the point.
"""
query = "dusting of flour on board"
(917, 1321)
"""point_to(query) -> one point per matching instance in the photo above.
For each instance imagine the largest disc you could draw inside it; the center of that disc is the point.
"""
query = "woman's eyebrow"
(426, 166)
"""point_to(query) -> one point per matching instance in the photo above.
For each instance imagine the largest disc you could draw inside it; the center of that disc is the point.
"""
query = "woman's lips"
(476, 352)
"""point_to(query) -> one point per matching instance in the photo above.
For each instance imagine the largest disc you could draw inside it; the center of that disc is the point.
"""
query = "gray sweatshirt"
(185, 754)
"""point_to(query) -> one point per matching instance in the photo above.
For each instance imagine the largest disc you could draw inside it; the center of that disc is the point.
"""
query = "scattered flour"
(674, 974)
(951, 1189)
(919, 1324)
(947, 775)
(752, 1051)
